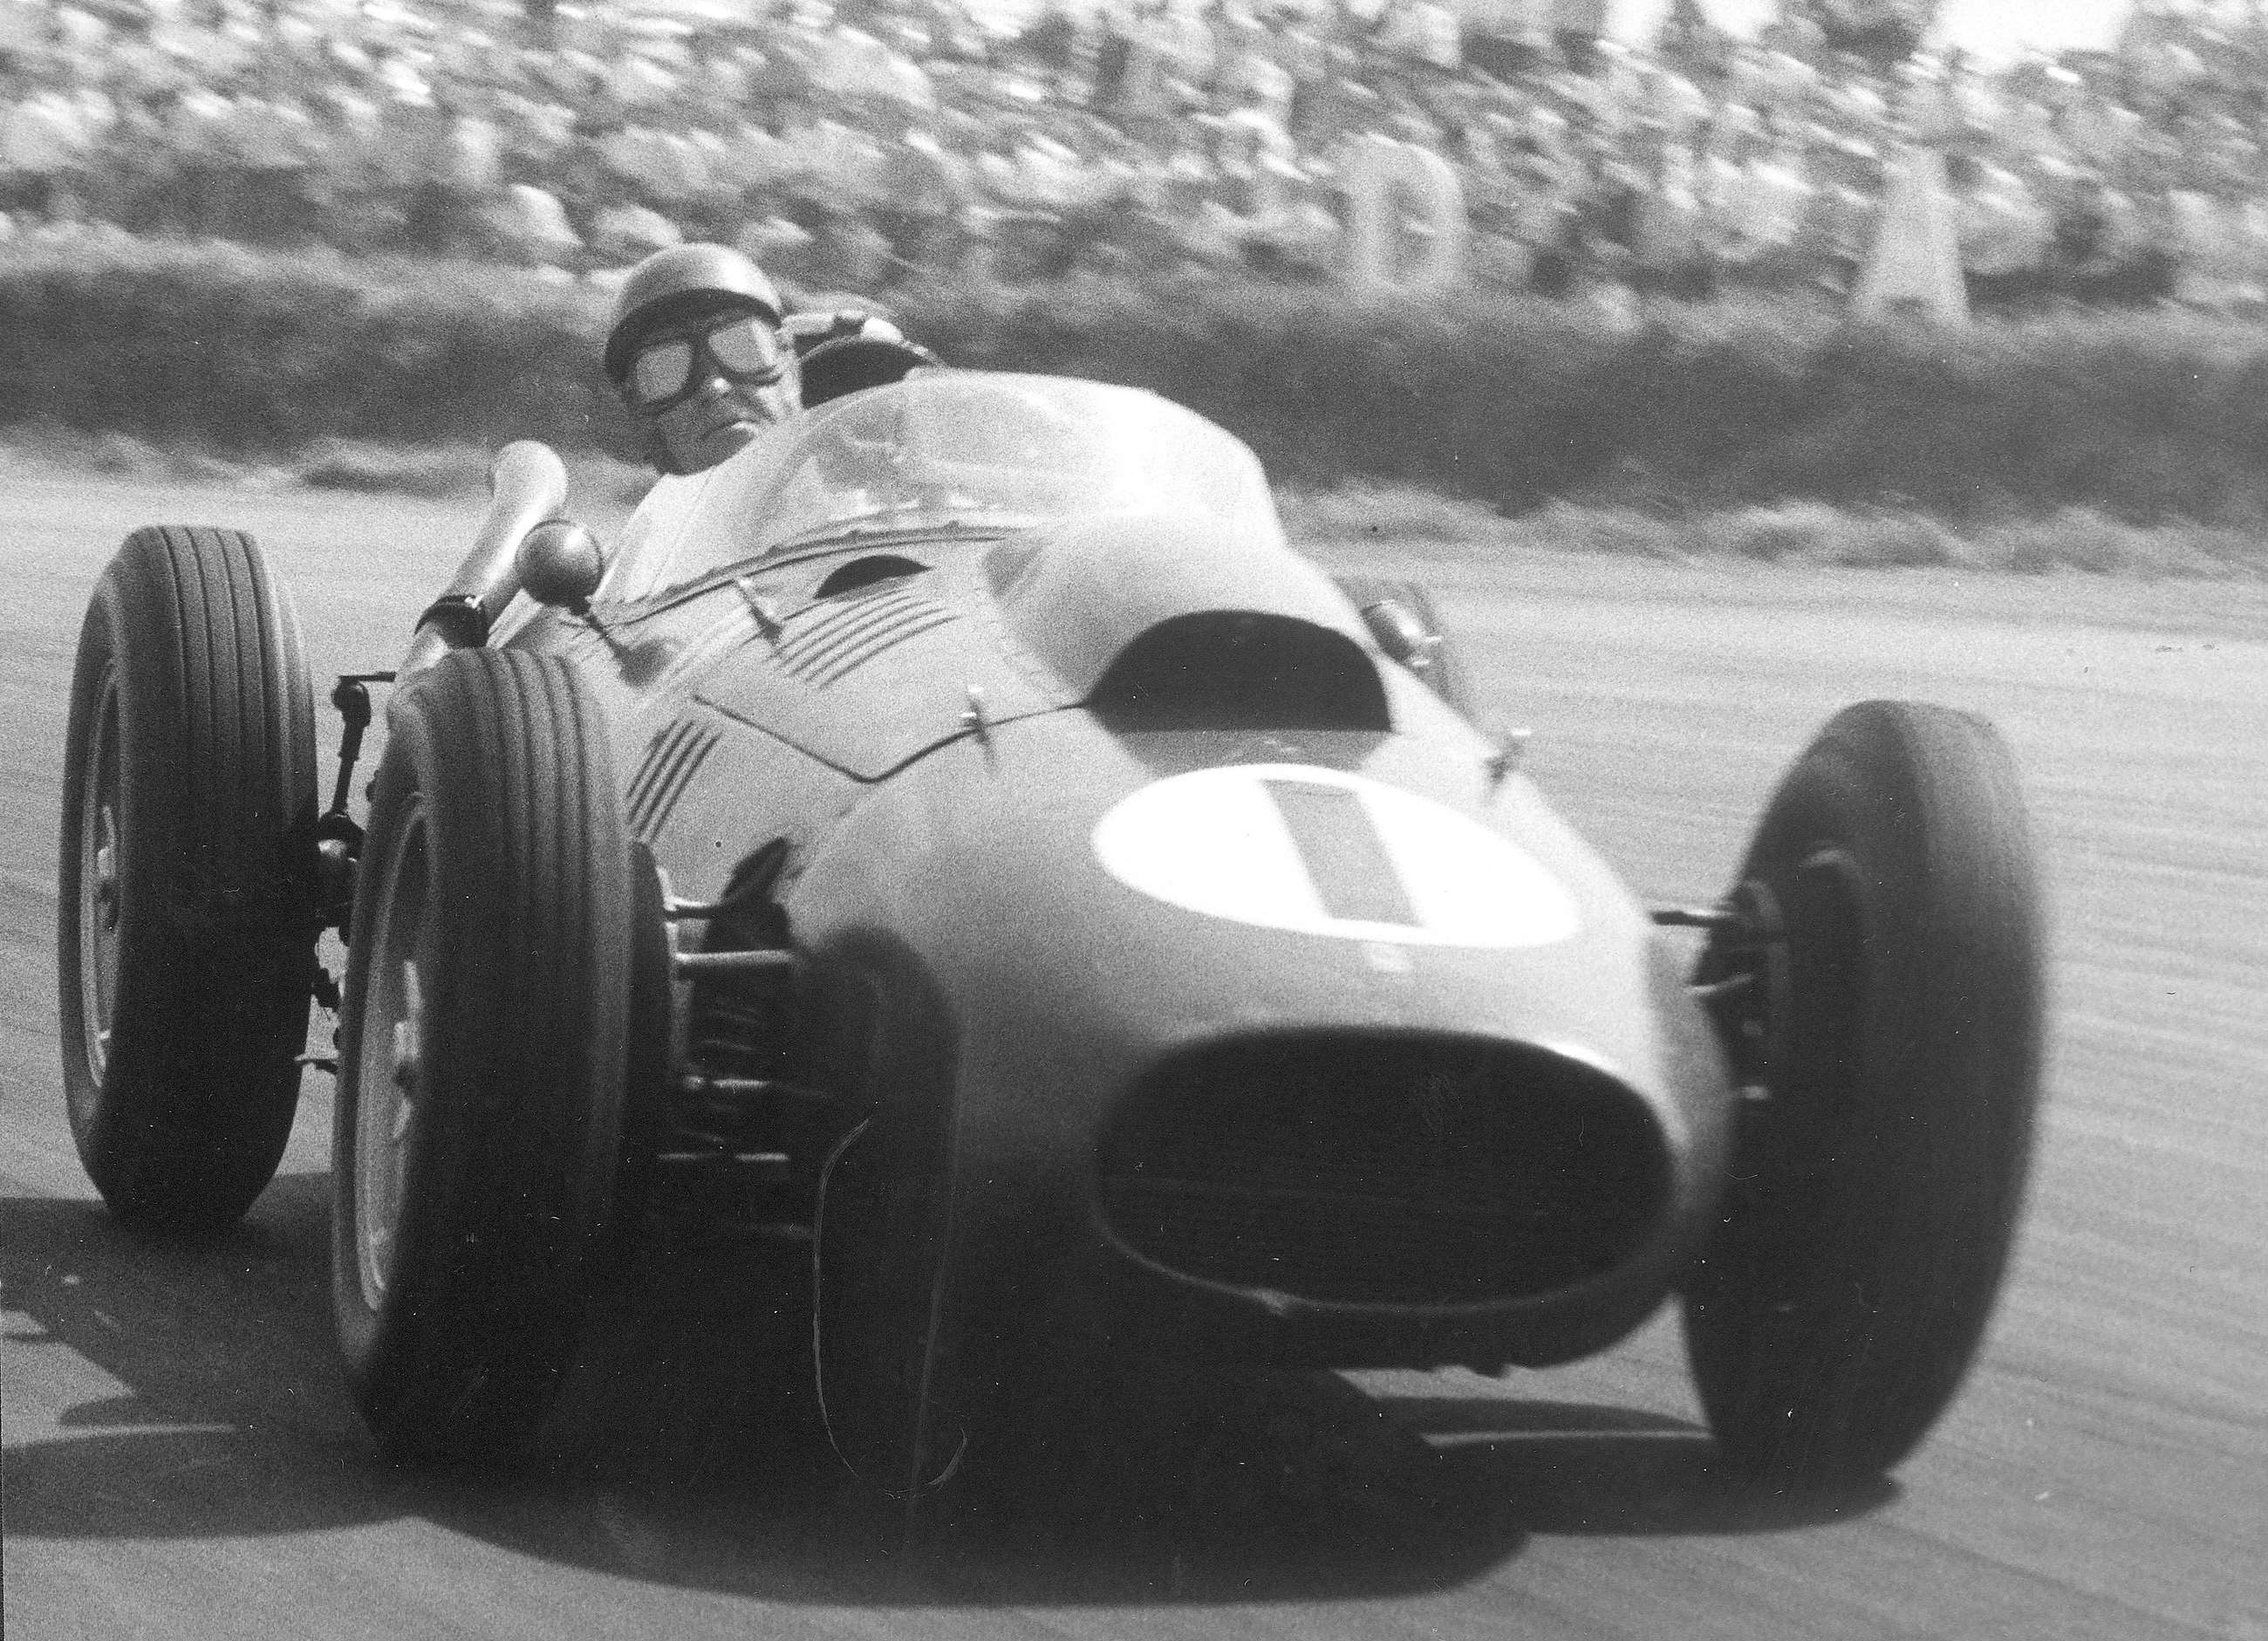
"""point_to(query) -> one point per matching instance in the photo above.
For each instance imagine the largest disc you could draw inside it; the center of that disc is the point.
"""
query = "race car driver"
(704, 358)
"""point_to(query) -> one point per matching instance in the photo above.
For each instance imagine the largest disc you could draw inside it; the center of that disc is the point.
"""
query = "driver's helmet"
(694, 349)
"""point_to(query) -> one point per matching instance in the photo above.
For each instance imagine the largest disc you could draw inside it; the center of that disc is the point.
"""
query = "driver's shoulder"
(811, 329)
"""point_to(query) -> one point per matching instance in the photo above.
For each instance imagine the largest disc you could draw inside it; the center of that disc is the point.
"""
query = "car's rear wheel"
(481, 1057)
(1889, 1029)
(185, 934)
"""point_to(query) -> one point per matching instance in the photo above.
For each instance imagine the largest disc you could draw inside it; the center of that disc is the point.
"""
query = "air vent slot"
(825, 641)
(671, 760)
(1240, 669)
(861, 573)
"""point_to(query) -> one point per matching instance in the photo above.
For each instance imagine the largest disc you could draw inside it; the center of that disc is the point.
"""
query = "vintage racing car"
(961, 831)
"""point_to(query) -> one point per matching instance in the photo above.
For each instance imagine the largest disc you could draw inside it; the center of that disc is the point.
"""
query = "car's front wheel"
(480, 1108)
(185, 930)
(1882, 991)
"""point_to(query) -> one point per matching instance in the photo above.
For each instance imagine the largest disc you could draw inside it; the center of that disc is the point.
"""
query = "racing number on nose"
(1327, 853)
(1346, 860)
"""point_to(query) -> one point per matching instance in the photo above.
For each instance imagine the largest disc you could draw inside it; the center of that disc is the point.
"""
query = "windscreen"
(944, 447)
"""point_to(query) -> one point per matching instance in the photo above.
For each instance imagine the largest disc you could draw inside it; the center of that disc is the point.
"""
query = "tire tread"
(514, 1182)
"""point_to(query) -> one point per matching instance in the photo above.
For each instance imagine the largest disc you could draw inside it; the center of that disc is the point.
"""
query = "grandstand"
(867, 144)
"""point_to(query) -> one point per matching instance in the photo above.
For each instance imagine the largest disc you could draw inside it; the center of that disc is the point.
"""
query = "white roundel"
(1321, 852)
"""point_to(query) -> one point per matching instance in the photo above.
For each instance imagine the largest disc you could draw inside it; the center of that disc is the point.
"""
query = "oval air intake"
(1372, 1168)
(1241, 669)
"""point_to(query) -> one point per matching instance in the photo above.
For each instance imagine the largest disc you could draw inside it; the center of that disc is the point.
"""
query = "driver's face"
(716, 419)
(706, 391)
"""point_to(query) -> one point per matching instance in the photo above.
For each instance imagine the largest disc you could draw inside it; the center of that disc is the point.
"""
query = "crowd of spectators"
(853, 143)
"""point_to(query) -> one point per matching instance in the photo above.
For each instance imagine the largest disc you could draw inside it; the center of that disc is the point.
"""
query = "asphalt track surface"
(182, 1461)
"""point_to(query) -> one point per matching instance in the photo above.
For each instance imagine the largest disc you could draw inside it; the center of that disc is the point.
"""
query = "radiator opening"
(1371, 1169)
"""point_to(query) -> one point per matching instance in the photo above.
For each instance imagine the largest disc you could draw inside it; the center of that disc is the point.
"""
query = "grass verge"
(1808, 534)
(1729, 410)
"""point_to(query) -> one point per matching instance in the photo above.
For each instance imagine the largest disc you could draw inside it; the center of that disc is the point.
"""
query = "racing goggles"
(746, 351)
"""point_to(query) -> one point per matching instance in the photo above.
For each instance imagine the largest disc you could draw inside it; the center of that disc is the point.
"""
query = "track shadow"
(688, 1449)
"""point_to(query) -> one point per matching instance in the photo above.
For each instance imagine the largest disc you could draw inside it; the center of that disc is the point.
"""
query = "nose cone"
(1322, 1049)
(1095, 904)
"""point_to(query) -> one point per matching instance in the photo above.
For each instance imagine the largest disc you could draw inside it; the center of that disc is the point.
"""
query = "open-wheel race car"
(960, 833)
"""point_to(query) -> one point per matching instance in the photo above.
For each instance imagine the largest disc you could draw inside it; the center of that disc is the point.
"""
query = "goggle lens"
(661, 372)
(746, 350)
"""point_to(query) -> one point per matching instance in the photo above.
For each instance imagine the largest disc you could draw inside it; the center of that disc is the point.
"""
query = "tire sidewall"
(97, 653)
(146, 1009)
(370, 1338)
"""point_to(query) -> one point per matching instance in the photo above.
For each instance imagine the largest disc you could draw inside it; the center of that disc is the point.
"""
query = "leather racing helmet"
(694, 349)
(684, 282)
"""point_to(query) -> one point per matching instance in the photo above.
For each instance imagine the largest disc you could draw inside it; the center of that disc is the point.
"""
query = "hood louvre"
(824, 642)
(672, 758)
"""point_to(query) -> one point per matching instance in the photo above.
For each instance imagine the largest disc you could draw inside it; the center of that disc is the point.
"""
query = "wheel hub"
(105, 867)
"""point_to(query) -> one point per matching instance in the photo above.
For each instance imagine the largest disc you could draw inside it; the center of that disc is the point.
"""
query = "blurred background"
(2087, 151)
